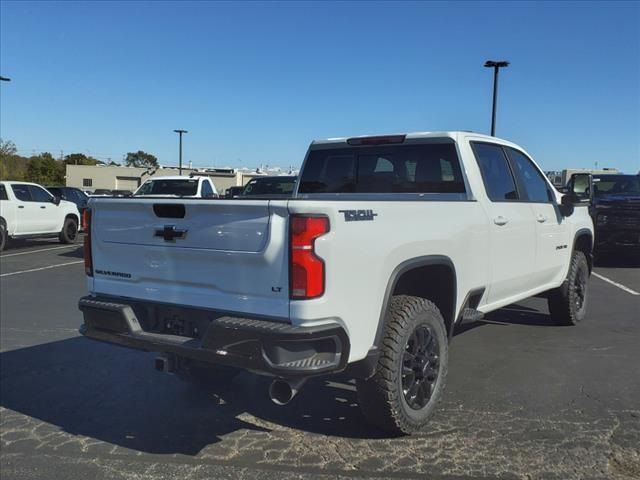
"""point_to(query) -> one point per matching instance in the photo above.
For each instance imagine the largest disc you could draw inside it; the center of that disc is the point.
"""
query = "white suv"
(28, 210)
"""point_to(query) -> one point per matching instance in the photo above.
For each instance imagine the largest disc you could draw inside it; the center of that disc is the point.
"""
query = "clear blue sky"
(254, 83)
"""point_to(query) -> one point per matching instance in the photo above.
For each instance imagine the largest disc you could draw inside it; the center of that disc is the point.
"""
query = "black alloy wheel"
(420, 367)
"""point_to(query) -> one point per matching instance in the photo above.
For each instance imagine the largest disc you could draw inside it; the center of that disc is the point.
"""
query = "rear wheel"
(411, 372)
(69, 232)
(568, 303)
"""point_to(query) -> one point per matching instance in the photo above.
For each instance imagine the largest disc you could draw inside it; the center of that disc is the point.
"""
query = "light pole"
(180, 132)
(5, 79)
(496, 65)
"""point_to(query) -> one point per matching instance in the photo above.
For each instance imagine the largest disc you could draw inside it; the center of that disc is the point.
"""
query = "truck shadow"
(511, 315)
(112, 394)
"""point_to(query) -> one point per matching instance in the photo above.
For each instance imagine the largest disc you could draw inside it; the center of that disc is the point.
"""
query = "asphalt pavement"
(526, 399)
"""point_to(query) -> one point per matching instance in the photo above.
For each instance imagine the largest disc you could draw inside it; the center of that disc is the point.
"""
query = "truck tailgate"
(227, 255)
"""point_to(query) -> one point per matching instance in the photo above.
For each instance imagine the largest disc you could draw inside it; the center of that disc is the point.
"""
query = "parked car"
(178, 186)
(233, 192)
(271, 187)
(387, 244)
(71, 194)
(616, 213)
(28, 210)
(121, 193)
(101, 192)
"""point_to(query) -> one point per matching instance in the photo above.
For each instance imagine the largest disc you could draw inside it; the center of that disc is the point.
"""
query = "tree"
(140, 159)
(45, 170)
(12, 165)
(80, 159)
(7, 148)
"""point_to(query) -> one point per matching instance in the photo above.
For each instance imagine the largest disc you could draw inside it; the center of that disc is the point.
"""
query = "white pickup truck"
(28, 210)
(387, 244)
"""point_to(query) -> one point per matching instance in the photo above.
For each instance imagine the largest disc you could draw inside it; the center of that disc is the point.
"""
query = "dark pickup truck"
(616, 212)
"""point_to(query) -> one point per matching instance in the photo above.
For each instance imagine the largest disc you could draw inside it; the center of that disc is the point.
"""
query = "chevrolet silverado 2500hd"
(386, 245)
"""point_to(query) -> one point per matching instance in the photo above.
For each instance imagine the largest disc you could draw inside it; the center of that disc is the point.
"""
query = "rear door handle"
(500, 220)
(42, 206)
(20, 206)
(541, 218)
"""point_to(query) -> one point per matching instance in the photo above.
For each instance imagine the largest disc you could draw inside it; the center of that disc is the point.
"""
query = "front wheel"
(412, 370)
(568, 303)
(69, 232)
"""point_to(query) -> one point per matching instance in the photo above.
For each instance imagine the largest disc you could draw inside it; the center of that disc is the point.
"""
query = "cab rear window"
(422, 168)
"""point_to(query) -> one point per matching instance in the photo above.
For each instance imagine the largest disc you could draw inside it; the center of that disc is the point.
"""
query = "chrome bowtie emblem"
(169, 233)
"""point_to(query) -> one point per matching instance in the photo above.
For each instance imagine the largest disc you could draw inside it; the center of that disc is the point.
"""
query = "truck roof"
(175, 177)
(409, 136)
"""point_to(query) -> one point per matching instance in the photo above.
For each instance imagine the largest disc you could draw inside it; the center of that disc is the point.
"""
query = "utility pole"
(180, 132)
(496, 65)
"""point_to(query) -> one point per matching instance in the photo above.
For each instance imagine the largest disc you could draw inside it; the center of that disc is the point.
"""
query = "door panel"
(28, 218)
(512, 249)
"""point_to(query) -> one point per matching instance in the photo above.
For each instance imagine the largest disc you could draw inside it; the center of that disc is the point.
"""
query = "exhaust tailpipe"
(282, 391)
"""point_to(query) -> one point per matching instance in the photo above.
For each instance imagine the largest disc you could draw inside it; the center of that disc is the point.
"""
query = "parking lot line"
(42, 268)
(36, 251)
(615, 284)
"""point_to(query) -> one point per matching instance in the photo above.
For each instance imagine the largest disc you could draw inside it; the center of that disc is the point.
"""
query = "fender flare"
(405, 266)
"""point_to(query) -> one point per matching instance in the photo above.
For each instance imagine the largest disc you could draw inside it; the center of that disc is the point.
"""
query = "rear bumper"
(274, 348)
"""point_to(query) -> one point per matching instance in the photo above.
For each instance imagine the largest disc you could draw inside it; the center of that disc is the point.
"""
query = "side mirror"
(567, 204)
(580, 187)
(55, 200)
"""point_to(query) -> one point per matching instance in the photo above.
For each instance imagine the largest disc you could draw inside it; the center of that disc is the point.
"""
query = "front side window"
(496, 174)
(418, 168)
(534, 184)
(21, 192)
(39, 194)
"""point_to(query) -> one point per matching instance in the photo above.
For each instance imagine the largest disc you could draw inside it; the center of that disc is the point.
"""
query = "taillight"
(88, 262)
(307, 270)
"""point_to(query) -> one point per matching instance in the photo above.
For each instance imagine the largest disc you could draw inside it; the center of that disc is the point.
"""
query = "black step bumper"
(270, 347)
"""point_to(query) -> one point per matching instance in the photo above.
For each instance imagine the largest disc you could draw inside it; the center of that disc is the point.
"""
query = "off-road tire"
(382, 397)
(3, 236)
(568, 303)
(69, 232)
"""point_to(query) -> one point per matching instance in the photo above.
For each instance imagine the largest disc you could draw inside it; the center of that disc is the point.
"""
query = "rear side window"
(531, 179)
(426, 168)
(3, 193)
(21, 192)
(496, 174)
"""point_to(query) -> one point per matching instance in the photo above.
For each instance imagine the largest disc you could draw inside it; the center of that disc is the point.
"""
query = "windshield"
(270, 186)
(179, 187)
(616, 185)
